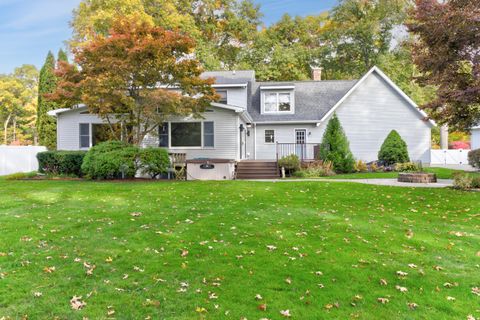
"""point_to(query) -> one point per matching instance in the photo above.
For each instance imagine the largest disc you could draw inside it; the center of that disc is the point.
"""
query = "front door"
(300, 143)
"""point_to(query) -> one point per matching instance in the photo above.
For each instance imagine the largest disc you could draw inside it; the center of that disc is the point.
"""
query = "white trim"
(295, 134)
(474, 128)
(316, 122)
(230, 85)
(277, 87)
(265, 136)
(389, 82)
(278, 112)
(228, 107)
(202, 142)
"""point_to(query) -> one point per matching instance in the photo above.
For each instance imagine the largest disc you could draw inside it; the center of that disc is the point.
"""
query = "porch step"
(257, 170)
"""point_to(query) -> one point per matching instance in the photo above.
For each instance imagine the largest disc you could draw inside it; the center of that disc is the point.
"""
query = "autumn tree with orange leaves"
(138, 76)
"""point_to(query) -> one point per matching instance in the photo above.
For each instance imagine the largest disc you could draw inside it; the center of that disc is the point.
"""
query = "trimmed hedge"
(111, 160)
(61, 162)
(474, 158)
(394, 150)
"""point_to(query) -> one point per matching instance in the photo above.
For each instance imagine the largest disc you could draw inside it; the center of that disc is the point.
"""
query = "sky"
(30, 28)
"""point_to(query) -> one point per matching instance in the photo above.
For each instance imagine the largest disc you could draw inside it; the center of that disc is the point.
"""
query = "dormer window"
(223, 96)
(277, 101)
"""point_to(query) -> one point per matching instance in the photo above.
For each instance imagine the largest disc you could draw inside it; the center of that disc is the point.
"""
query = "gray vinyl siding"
(226, 141)
(68, 128)
(284, 133)
(367, 116)
(475, 139)
(372, 111)
(237, 97)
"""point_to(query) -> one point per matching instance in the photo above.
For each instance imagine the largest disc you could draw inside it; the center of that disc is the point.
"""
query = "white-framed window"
(91, 134)
(269, 136)
(84, 130)
(198, 134)
(277, 102)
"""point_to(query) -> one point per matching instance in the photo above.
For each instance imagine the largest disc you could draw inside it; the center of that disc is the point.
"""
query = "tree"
(221, 28)
(46, 125)
(335, 147)
(26, 119)
(449, 57)
(18, 92)
(393, 150)
(286, 50)
(62, 56)
(359, 34)
(137, 75)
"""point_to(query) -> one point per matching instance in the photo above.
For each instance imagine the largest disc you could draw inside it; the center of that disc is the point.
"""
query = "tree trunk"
(14, 138)
(5, 129)
(444, 137)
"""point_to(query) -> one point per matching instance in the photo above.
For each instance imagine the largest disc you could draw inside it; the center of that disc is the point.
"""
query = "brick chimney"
(316, 74)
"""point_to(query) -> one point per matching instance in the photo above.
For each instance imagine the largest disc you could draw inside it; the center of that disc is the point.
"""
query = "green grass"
(354, 234)
(442, 173)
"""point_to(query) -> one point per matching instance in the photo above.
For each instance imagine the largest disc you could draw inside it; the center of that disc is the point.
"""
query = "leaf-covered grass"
(204, 250)
(442, 173)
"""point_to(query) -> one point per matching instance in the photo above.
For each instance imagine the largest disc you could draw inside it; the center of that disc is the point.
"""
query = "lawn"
(206, 250)
(442, 173)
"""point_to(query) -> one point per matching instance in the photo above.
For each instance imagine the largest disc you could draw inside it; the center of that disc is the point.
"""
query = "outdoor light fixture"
(242, 128)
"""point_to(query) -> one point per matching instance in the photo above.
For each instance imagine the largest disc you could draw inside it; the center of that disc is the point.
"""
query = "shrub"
(474, 158)
(374, 167)
(407, 167)
(154, 161)
(393, 150)
(465, 145)
(60, 162)
(316, 169)
(111, 160)
(21, 175)
(465, 181)
(361, 166)
(335, 147)
(290, 163)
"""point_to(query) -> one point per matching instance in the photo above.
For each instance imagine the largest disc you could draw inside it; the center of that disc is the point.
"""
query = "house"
(475, 137)
(267, 120)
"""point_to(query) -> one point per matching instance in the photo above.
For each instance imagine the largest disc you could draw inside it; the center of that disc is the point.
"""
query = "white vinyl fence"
(449, 156)
(15, 159)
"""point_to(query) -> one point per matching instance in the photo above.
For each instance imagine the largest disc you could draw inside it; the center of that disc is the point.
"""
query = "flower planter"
(417, 177)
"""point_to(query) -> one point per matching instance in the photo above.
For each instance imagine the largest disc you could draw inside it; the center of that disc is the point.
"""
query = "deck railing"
(304, 151)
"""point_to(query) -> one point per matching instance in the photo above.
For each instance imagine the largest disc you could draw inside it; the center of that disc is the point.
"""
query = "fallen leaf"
(401, 289)
(383, 300)
(76, 303)
(285, 313)
(412, 305)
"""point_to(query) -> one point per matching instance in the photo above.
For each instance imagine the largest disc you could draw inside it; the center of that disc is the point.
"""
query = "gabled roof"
(313, 99)
(230, 77)
(390, 83)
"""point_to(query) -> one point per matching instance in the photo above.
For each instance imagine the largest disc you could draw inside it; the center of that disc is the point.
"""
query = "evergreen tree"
(62, 56)
(393, 150)
(46, 125)
(335, 147)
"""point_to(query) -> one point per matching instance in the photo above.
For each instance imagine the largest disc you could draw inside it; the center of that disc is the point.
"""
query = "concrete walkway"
(442, 183)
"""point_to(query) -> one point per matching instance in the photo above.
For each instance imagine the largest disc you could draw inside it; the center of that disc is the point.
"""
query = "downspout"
(254, 141)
